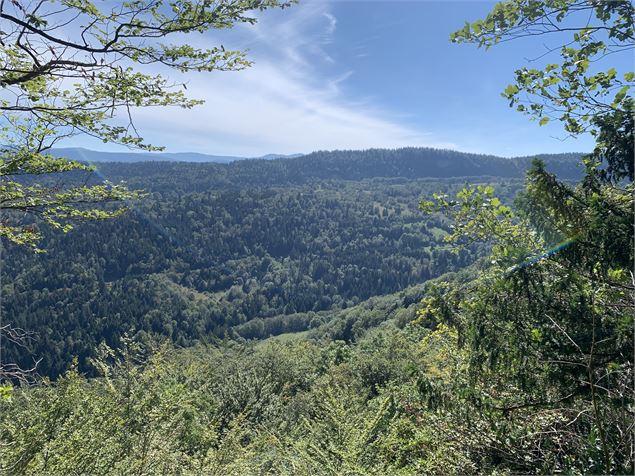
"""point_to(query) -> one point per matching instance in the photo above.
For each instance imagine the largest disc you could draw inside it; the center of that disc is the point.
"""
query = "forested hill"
(213, 247)
(410, 163)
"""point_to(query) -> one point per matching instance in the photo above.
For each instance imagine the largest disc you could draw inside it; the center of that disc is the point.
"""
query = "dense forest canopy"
(407, 163)
(79, 69)
(214, 246)
(74, 68)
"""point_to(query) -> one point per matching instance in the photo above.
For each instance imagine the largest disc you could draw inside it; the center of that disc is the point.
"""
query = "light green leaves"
(570, 91)
(6, 390)
(478, 215)
(510, 90)
(77, 70)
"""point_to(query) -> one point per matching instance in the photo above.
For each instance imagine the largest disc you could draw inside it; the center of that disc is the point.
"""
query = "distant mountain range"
(87, 155)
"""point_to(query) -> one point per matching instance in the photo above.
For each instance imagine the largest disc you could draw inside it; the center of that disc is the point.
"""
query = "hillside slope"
(253, 248)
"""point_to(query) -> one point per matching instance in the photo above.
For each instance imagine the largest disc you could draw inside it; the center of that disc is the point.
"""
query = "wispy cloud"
(291, 100)
(332, 23)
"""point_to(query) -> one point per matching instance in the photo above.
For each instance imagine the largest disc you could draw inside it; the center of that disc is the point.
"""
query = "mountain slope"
(216, 246)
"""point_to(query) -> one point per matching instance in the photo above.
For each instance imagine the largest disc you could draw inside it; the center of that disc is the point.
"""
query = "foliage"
(295, 408)
(547, 329)
(57, 85)
(253, 249)
(553, 331)
(575, 91)
(191, 264)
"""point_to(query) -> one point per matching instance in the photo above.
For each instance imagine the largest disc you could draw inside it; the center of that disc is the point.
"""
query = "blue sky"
(359, 74)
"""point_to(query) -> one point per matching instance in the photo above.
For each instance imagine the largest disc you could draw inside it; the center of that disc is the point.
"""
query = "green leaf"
(511, 89)
(621, 94)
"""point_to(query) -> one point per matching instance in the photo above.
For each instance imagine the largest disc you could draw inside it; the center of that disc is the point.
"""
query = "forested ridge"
(408, 163)
(206, 251)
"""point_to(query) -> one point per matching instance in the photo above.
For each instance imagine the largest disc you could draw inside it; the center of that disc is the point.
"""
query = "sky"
(351, 74)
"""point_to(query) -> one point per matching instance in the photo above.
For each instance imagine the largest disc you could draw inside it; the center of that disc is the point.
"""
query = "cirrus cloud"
(291, 100)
